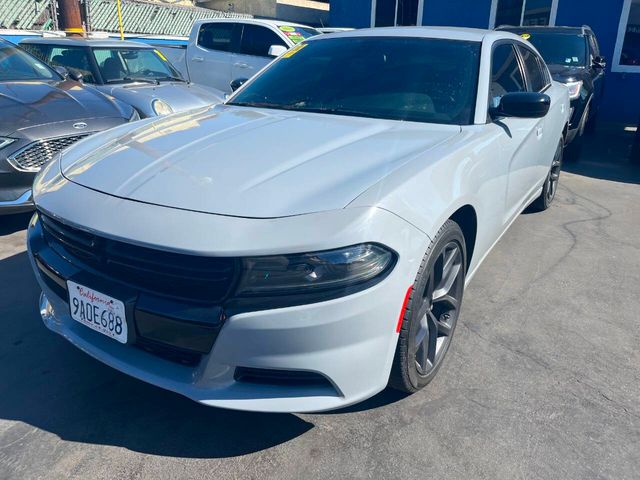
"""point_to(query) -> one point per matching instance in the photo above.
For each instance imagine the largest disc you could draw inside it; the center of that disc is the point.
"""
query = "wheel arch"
(467, 219)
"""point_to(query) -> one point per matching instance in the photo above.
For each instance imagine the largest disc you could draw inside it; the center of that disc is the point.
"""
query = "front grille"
(36, 154)
(203, 279)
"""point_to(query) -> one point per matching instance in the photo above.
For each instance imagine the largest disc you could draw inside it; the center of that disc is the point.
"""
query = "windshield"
(18, 65)
(122, 65)
(396, 78)
(298, 34)
(560, 48)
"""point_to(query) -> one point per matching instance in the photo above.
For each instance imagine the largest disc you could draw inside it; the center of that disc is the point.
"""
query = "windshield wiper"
(141, 79)
(172, 79)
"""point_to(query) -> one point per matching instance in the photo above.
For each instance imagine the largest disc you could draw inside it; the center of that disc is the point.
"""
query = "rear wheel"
(550, 187)
(432, 311)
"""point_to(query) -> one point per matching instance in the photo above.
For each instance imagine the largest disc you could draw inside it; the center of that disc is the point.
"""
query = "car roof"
(84, 42)
(546, 29)
(257, 21)
(452, 33)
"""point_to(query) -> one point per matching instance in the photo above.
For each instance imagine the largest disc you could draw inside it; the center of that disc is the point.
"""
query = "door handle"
(241, 65)
(539, 132)
(197, 59)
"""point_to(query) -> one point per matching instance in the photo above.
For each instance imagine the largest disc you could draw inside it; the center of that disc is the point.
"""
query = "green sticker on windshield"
(286, 28)
(526, 36)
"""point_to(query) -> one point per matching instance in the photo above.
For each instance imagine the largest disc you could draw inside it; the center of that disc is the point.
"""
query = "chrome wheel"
(439, 307)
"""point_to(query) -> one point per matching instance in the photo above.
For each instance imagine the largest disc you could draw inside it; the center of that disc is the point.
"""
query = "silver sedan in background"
(135, 73)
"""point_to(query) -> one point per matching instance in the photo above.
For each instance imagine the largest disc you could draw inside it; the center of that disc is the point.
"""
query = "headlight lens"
(574, 89)
(161, 108)
(6, 141)
(315, 272)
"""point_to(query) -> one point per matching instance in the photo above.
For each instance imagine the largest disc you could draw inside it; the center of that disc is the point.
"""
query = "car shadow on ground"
(49, 384)
(605, 155)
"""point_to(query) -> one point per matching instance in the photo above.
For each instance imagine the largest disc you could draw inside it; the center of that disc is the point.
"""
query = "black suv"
(573, 57)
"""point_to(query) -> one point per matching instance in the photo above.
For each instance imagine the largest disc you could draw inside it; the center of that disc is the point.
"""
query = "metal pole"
(120, 19)
(70, 18)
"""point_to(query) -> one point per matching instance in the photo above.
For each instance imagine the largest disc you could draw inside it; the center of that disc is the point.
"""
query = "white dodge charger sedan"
(307, 243)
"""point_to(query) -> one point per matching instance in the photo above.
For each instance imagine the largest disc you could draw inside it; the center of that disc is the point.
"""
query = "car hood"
(563, 74)
(32, 103)
(249, 163)
(180, 96)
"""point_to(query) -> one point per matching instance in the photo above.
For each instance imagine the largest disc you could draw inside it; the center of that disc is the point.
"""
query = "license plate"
(98, 311)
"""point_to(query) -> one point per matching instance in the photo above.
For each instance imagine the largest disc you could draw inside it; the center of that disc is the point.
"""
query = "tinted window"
(630, 54)
(506, 76)
(397, 78)
(560, 48)
(256, 40)
(216, 36)
(72, 58)
(537, 79)
(593, 44)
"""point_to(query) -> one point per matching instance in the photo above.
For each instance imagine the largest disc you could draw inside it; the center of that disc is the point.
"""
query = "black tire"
(545, 199)
(434, 304)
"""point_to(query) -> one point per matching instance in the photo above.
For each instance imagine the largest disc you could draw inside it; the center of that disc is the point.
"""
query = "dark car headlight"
(310, 273)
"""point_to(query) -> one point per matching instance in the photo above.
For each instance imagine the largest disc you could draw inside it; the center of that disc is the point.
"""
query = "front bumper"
(349, 341)
(24, 203)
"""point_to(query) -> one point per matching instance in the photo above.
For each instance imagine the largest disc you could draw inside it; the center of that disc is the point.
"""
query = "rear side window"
(41, 52)
(506, 75)
(257, 40)
(535, 74)
(216, 36)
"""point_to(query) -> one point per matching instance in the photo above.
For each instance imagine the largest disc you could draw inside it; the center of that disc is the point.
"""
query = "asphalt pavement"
(542, 380)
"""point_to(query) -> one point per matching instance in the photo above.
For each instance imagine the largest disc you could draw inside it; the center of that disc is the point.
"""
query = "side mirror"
(75, 75)
(237, 83)
(523, 105)
(277, 50)
(62, 71)
(599, 62)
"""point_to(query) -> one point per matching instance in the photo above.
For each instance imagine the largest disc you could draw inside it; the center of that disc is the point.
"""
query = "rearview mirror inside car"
(277, 50)
(523, 105)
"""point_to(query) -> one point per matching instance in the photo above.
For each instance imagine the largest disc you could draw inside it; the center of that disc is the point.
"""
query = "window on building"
(627, 53)
(523, 12)
(389, 13)
(506, 76)
(257, 40)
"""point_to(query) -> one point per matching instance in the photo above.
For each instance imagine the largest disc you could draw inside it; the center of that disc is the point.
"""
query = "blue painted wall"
(350, 13)
(457, 13)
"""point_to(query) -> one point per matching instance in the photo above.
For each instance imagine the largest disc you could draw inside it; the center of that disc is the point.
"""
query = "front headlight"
(6, 141)
(309, 273)
(574, 89)
(160, 107)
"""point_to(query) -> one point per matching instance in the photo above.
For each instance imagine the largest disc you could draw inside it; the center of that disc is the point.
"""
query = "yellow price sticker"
(526, 36)
(159, 53)
(294, 50)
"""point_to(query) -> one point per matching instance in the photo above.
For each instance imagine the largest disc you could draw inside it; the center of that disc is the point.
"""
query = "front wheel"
(550, 187)
(432, 311)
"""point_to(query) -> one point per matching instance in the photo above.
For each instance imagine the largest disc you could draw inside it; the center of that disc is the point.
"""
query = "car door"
(253, 55)
(520, 138)
(210, 55)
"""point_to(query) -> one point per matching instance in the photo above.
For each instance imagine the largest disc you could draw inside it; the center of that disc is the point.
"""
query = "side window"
(256, 40)
(506, 75)
(38, 51)
(216, 36)
(537, 79)
(593, 46)
(75, 58)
